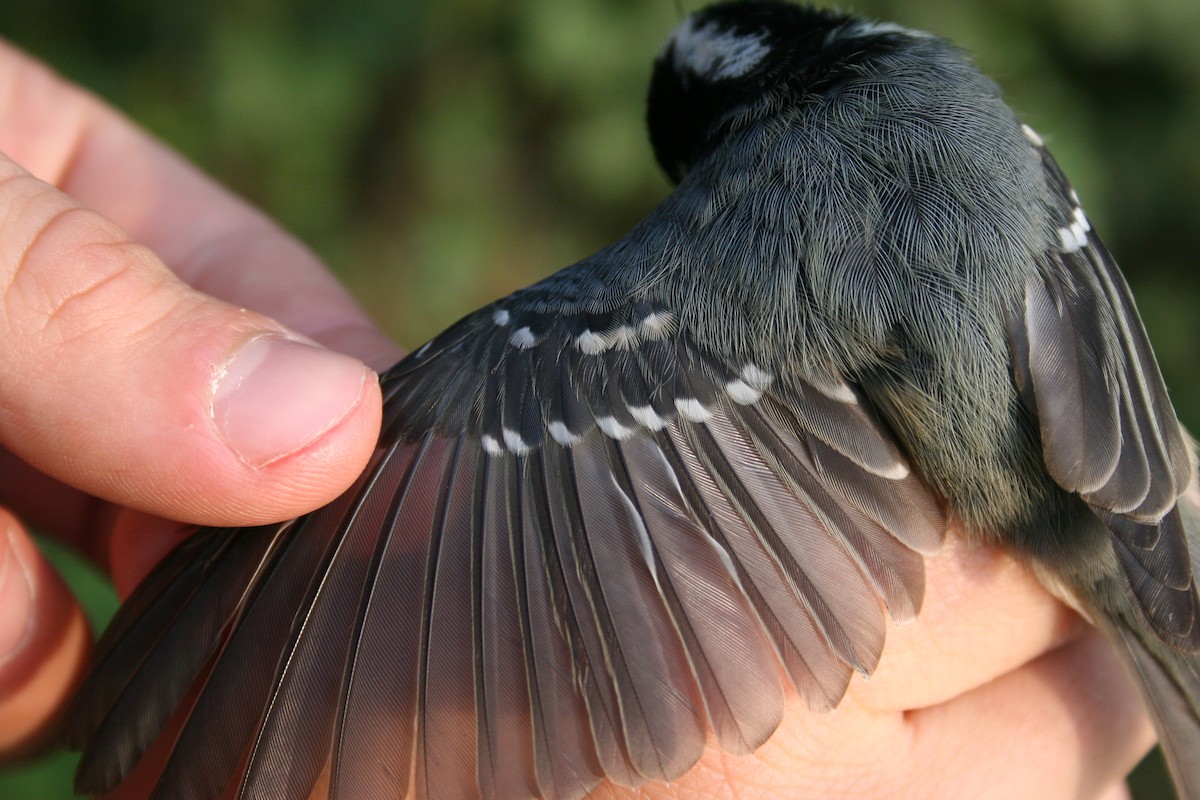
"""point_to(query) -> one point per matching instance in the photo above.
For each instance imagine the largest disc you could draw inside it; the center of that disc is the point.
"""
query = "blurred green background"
(438, 155)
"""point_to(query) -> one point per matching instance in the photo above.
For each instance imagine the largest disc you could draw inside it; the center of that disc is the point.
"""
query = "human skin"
(129, 283)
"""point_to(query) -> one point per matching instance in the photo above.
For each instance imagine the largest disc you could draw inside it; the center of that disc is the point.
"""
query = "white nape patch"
(590, 343)
(492, 446)
(1032, 136)
(623, 338)
(614, 429)
(515, 443)
(522, 338)
(710, 52)
(500, 317)
(562, 434)
(647, 417)
(874, 28)
(692, 409)
(657, 324)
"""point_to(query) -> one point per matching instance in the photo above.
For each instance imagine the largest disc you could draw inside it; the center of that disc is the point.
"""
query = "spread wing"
(583, 544)
(1109, 432)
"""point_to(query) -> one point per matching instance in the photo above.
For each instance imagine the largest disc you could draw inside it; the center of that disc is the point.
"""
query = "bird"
(631, 506)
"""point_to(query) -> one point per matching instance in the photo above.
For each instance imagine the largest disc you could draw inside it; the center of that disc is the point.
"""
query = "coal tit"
(611, 511)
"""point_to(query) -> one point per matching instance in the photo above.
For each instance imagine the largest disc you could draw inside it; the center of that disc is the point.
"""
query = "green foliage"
(441, 154)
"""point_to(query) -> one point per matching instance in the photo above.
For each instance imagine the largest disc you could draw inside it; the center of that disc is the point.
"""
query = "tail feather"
(1169, 682)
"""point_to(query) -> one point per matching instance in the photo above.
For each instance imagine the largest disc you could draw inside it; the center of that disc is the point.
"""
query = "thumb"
(122, 381)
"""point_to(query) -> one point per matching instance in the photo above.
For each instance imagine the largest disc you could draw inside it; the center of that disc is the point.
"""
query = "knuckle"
(77, 277)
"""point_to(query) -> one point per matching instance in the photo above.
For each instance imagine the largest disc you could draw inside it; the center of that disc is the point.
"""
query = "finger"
(44, 642)
(127, 384)
(211, 239)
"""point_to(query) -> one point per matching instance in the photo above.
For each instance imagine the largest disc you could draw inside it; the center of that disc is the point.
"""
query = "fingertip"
(275, 396)
(44, 643)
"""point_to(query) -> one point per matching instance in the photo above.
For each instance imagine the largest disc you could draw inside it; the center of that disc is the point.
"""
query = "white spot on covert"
(515, 443)
(590, 343)
(500, 317)
(742, 393)
(623, 338)
(657, 324)
(1073, 238)
(522, 338)
(897, 472)
(838, 391)
(757, 377)
(1032, 136)
(614, 429)
(711, 52)
(750, 386)
(647, 417)
(1081, 219)
(692, 409)
(562, 434)
(492, 445)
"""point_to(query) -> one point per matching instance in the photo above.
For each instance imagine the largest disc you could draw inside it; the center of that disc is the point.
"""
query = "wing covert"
(1109, 432)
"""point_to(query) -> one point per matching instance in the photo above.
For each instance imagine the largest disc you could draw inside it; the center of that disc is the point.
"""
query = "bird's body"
(608, 507)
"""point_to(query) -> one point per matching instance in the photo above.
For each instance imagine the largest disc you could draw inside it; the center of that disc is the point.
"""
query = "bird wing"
(1108, 430)
(583, 543)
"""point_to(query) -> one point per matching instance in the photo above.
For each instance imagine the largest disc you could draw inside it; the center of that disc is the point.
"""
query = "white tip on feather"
(692, 409)
(838, 391)
(1081, 219)
(492, 445)
(500, 317)
(614, 429)
(522, 338)
(590, 343)
(1072, 238)
(562, 434)
(757, 378)
(623, 338)
(1032, 136)
(515, 443)
(657, 324)
(647, 417)
(742, 392)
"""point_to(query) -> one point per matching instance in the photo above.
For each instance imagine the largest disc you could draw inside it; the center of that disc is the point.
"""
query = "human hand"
(997, 690)
(122, 382)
